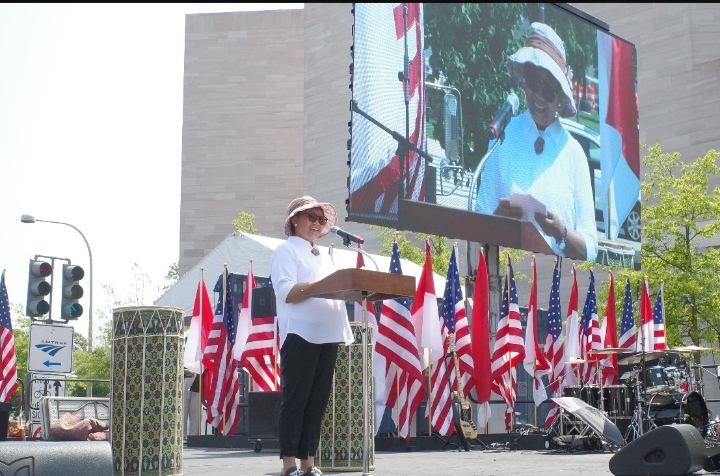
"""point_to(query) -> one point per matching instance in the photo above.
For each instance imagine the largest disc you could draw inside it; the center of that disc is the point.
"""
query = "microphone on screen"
(502, 118)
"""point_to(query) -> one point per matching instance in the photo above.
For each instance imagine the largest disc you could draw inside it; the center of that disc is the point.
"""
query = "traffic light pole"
(32, 219)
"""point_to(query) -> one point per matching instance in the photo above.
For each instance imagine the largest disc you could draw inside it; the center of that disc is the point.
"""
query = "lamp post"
(32, 219)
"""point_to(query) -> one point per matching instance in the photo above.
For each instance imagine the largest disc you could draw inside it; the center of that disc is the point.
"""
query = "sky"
(91, 101)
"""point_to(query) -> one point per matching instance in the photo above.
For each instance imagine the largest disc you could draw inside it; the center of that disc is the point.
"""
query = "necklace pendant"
(539, 145)
(315, 251)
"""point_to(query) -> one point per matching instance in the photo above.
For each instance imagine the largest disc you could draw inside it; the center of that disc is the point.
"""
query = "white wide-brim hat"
(308, 203)
(544, 49)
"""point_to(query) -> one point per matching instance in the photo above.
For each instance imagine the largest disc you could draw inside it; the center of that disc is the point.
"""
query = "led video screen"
(483, 122)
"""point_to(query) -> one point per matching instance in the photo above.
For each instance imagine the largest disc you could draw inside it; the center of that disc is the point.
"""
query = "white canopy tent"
(239, 248)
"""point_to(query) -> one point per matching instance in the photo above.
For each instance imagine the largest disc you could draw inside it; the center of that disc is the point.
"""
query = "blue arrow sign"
(47, 363)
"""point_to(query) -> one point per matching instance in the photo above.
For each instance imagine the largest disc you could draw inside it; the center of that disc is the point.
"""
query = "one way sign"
(51, 348)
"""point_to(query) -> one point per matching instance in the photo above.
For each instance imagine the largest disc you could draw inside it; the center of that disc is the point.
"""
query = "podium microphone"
(502, 118)
(347, 237)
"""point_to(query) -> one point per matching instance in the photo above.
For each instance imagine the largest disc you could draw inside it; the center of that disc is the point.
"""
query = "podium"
(471, 226)
(354, 285)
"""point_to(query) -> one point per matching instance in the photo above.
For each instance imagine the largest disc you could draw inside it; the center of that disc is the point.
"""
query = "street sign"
(43, 385)
(51, 348)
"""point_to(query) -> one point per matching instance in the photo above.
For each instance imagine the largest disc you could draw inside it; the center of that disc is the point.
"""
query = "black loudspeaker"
(263, 302)
(51, 458)
(672, 450)
(263, 414)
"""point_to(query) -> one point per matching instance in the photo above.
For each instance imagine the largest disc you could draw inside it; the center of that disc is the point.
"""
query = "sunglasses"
(316, 218)
(537, 85)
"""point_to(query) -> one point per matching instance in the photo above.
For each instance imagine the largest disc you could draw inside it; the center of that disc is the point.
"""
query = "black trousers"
(307, 373)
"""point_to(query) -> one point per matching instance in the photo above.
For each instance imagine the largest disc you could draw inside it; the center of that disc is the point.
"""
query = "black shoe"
(292, 472)
(313, 471)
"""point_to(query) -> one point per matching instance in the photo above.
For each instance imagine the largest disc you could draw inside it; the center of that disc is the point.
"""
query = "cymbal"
(576, 361)
(638, 357)
(610, 350)
(689, 348)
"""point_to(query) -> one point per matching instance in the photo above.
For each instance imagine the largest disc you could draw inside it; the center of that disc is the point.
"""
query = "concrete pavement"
(494, 462)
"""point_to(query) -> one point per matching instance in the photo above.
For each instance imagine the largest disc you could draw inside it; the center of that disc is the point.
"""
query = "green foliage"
(245, 223)
(412, 247)
(172, 276)
(681, 210)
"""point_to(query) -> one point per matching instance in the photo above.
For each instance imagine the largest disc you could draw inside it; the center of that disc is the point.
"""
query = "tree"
(409, 250)
(245, 223)
(172, 276)
(680, 210)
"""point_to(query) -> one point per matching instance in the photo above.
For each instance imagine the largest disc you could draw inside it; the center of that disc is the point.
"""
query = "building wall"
(243, 120)
(242, 131)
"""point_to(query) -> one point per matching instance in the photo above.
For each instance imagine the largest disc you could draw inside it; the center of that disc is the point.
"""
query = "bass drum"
(689, 408)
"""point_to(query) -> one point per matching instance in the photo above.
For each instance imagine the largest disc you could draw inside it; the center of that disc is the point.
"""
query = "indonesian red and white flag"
(197, 336)
(480, 341)
(618, 110)
(535, 363)
(646, 333)
(425, 316)
(572, 335)
(608, 332)
(244, 322)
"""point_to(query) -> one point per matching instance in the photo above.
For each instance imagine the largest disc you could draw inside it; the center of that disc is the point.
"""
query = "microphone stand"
(365, 369)
(404, 145)
(478, 170)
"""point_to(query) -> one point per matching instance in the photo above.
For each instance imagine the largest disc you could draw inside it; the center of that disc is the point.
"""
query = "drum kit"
(649, 395)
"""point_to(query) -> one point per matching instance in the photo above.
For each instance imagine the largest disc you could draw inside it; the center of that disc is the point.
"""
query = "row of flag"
(413, 342)
(216, 348)
(411, 355)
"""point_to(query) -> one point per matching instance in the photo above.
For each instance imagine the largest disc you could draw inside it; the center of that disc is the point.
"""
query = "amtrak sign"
(51, 349)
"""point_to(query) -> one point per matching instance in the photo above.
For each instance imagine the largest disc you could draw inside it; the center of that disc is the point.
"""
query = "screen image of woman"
(539, 173)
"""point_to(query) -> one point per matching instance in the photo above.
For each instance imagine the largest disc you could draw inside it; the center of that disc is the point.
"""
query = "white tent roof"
(239, 248)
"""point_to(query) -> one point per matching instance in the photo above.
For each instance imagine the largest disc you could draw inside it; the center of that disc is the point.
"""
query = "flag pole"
(224, 298)
(429, 407)
(200, 378)
(507, 273)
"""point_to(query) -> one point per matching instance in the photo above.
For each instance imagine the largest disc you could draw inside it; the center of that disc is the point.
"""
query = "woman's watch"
(563, 240)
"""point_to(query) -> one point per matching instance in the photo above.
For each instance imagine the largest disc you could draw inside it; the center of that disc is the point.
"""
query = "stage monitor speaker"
(51, 458)
(263, 414)
(672, 450)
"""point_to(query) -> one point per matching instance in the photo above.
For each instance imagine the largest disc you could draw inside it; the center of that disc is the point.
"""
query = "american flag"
(8, 362)
(554, 343)
(396, 346)
(608, 332)
(627, 324)
(590, 339)
(509, 348)
(223, 396)
(454, 321)
(659, 323)
(572, 334)
(646, 336)
(258, 356)
(535, 362)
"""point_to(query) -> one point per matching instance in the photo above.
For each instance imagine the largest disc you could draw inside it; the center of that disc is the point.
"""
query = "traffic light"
(71, 292)
(38, 288)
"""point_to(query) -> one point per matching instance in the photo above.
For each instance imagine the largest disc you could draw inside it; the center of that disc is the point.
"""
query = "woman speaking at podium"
(540, 172)
(310, 331)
